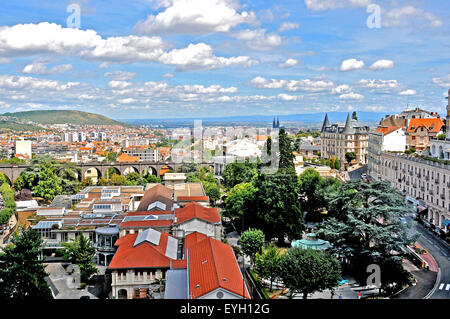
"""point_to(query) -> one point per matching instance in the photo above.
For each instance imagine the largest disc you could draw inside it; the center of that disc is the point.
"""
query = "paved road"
(441, 254)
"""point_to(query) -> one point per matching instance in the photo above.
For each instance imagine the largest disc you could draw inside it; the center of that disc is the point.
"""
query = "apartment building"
(422, 131)
(144, 153)
(339, 139)
(426, 181)
(384, 139)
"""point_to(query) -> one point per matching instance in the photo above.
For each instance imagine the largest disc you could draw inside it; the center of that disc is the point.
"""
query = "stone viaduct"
(13, 171)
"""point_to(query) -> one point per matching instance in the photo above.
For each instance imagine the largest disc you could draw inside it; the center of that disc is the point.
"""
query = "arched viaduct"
(13, 171)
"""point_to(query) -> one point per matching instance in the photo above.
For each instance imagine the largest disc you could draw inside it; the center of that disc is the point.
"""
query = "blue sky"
(188, 58)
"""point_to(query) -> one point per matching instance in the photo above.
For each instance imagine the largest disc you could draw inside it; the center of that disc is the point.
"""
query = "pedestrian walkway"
(428, 258)
(444, 286)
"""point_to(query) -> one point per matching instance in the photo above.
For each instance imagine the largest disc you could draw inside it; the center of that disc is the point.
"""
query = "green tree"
(252, 242)
(268, 264)
(80, 252)
(149, 178)
(212, 191)
(117, 180)
(286, 151)
(22, 272)
(68, 173)
(275, 208)
(365, 225)
(307, 271)
(238, 201)
(350, 156)
(237, 173)
(133, 178)
(49, 184)
(85, 182)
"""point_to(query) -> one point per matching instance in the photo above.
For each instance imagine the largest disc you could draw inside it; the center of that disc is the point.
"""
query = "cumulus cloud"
(168, 75)
(351, 64)
(258, 39)
(351, 96)
(51, 38)
(408, 92)
(120, 75)
(341, 89)
(194, 16)
(286, 26)
(408, 15)
(380, 86)
(443, 81)
(200, 56)
(41, 69)
(322, 5)
(287, 97)
(289, 63)
(382, 65)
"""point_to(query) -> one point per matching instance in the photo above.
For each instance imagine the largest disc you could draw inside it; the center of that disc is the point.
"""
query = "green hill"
(63, 117)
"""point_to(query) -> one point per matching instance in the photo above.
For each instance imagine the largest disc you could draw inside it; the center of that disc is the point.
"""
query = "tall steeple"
(273, 123)
(348, 129)
(278, 122)
(326, 123)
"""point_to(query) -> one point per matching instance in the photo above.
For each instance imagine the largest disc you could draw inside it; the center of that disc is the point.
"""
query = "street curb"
(438, 279)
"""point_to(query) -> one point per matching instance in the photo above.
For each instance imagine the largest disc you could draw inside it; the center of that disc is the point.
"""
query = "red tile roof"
(195, 210)
(388, 129)
(194, 238)
(144, 255)
(193, 198)
(433, 125)
(212, 265)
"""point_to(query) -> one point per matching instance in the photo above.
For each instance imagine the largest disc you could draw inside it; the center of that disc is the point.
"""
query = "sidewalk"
(428, 258)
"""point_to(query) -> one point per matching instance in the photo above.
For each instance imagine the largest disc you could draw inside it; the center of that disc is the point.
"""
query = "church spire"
(326, 123)
(348, 129)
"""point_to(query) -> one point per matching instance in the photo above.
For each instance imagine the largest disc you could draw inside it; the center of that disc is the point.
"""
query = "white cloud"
(351, 64)
(379, 85)
(351, 96)
(200, 56)
(288, 26)
(120, 75)
(310, 85)
(260, 82)
(194, 16)
(322, 5)
(287, 97)
(119, 84)
(408, 15)
(168, 75)
(382, 65)
(341, 89)
(289, 63)
(443, 81)
(408, 92)
(41, 68)
(258, 39)
(51, 38)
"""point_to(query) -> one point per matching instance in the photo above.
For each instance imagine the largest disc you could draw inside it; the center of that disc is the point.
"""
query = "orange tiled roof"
(195, 210)
(213, 265)
(433, 125)
(125, 158)
(144, 255)
(387, 129)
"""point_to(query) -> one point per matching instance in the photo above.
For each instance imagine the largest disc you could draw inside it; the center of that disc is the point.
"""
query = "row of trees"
(9, 205)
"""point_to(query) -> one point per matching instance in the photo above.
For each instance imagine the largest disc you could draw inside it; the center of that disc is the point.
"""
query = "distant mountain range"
(59, 117)
(311, 119)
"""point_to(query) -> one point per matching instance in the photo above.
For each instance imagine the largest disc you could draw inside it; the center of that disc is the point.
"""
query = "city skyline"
(162, 59)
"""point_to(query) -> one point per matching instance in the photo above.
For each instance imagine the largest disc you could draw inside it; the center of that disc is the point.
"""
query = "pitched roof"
(144, 254)
(125, 158)
(154, 194)
(212, 265)
(433, 125)
(386, 130)
(195, 210)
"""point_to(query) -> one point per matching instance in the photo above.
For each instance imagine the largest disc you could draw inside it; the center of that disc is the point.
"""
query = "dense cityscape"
(151, 166)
